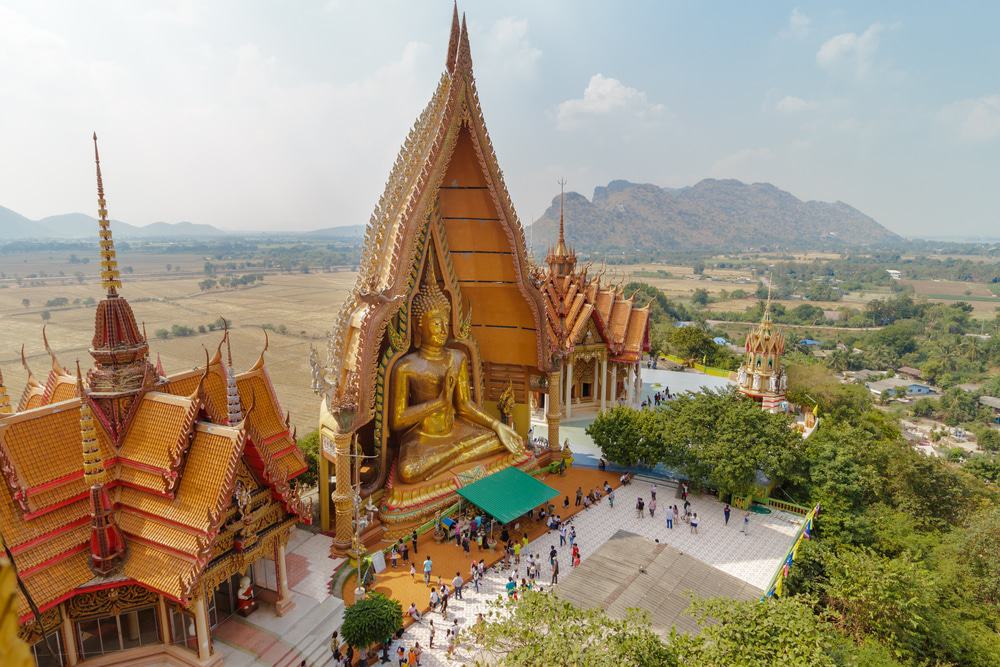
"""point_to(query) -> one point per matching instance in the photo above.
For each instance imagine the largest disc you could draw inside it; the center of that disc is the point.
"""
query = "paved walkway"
(752, 557)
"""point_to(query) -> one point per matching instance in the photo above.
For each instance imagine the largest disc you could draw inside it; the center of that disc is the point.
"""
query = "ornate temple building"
(140, 509)
(598, 334)
(437, 351)
(762, 375)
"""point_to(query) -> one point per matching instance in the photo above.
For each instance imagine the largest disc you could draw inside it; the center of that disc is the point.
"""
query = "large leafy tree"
(541, 629)
(754, 634)
(371, 620)
(622, 433)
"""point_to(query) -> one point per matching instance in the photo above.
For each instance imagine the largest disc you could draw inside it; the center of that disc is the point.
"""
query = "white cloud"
(850, 52)
(741, 163)
(975, 120)
(793, 104)
(507, 49)
(798, 24)
(605, 96)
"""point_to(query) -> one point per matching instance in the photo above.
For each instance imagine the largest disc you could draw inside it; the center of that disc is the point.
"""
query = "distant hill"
(710, 215)
(345, 232)
(13, 226)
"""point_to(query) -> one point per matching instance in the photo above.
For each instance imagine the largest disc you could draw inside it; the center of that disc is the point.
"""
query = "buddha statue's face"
(434, 328)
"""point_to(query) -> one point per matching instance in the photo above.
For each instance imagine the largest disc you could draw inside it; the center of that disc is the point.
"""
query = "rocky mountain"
(13, 226)
(346, 232)
(631, 218)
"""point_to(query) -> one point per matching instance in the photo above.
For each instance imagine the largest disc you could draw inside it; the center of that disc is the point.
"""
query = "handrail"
(804, 533)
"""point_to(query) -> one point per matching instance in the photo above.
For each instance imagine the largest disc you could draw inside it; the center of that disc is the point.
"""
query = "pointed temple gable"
(445, 205)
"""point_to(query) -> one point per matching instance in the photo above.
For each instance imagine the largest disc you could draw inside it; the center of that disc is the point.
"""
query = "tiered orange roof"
(574, 299)
(160, 448)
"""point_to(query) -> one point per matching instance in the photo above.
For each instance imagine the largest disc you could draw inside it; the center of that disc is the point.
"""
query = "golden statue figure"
(434, 418)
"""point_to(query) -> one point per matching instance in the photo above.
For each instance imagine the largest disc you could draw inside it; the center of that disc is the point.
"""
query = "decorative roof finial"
(110, 278)
(767, 305)
(449, 62)
(52, 355)
(93, 465)
(562, 225)
(5, 408)
(234, 408)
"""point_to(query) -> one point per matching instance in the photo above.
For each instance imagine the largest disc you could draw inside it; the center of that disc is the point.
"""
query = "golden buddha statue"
(434, 418)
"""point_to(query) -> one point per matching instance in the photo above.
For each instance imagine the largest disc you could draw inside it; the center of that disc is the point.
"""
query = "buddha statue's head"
(431, 311)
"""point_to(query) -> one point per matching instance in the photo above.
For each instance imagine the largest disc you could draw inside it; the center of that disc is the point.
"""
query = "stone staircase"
(314, 645)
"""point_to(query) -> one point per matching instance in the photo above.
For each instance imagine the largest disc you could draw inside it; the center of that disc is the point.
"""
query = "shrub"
(372, 620)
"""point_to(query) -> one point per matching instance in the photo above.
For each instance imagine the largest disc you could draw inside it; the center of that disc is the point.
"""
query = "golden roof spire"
(449, 62)
(561, 244)
(110, 278)
(5, 408)
(93, 466)
(766, 320)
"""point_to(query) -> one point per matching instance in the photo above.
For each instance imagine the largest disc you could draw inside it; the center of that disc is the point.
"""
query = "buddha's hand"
(509, 437)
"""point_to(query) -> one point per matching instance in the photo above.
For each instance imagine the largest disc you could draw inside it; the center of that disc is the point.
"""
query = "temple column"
(201, 628)
(68, 638)
(614, 385)
(343, 493)
(628, 386)
(593, 388)
(324, 491)
(164, 618)
(638, 383)
(604, 382)
(552, 414)
(284, 601)
(569, 387)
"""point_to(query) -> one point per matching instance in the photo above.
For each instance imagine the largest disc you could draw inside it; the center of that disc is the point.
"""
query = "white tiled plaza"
(752, 557)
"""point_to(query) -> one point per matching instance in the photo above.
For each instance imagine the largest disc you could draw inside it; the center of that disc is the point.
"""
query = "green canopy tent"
(507, 494)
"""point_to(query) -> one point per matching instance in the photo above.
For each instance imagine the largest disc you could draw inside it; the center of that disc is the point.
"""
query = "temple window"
(41, 652)
(585, 390)
(182, 628)
(108, 634)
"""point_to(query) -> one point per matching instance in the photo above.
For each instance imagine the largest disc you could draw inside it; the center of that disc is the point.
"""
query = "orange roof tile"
(160, 424)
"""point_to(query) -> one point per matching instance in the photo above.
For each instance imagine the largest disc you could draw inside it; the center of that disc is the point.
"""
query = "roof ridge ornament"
(453, 39)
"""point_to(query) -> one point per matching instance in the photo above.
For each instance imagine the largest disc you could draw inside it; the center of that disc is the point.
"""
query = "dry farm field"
(304, 304)
(978, 295)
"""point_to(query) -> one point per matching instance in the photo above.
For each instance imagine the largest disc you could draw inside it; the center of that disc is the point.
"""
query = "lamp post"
(356, 545)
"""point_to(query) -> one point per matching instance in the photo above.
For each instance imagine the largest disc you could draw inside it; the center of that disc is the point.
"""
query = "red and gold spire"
(449, 62)
(107, 546)
(119, 348)
(561, 259)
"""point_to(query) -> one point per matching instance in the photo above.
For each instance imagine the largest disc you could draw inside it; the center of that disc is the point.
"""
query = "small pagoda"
(762, 374)
(139, 508)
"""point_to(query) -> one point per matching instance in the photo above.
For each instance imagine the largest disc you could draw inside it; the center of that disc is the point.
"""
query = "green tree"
(700, 297)
(541, 629)
(754, 634)
(889, 599)
(309, 445)
(26, 302)
(374, 619)
(621, 434)
(46, 315)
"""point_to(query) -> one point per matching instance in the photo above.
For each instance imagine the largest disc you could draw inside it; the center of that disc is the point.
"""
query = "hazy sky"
(288, 115)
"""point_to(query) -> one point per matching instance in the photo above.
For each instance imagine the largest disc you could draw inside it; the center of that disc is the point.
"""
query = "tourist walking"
(457, 582)
(555, 572)
(639, 508)
(746, 524)
(670, 519)
(413, 539)
(405, 548)
(572, 536)
(725, 513)
(413, 572)
(694, 523)
(652, 493)
(427, 570)
(611, 499)
(652, 507)
(562, 535)
(431, 644)
(435, 599)
(579, 495)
